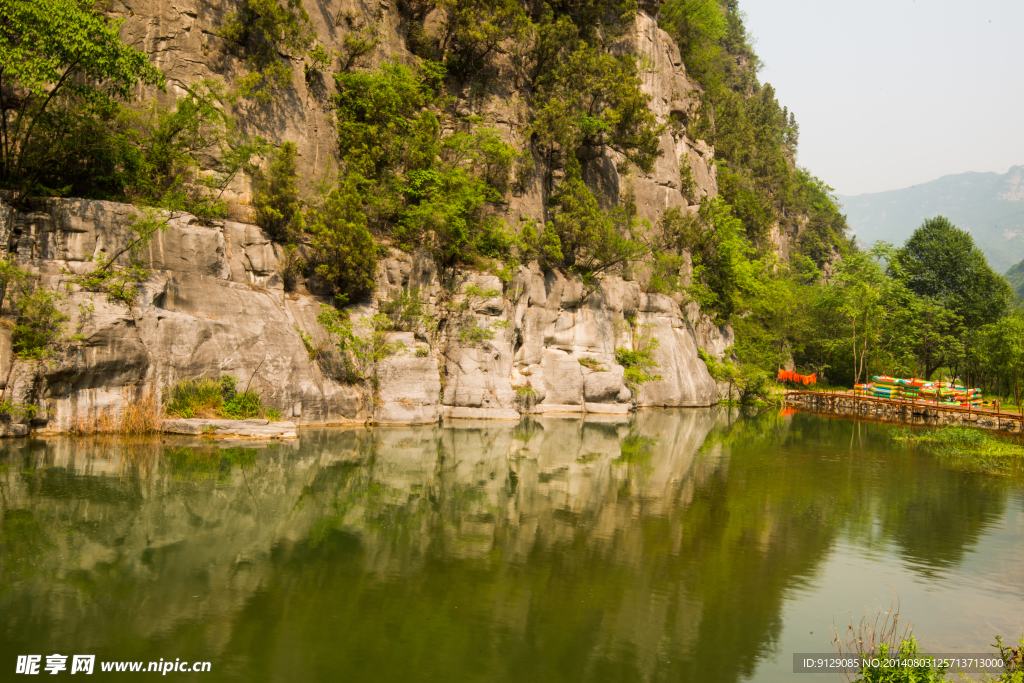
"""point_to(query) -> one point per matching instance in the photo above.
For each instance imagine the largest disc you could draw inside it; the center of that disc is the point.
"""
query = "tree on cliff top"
(755, 138)
(53, 52)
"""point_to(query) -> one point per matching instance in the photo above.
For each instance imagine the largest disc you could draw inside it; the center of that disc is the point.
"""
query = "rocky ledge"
(255, 429)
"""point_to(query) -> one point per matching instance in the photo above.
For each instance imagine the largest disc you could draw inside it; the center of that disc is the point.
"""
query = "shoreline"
(453, 414)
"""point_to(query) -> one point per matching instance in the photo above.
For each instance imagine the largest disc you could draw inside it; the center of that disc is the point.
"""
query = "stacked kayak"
(915, 389)
(896, 387)
(966, 396)
(947, 392)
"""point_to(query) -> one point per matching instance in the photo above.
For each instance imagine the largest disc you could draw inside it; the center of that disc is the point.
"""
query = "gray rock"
(260, 429)
(215, 302)
(603, 387)
(684, 377)
(10, 429)
(480, 376)
(563, 378)
(715, 339)
(6, 355)
(409, 391)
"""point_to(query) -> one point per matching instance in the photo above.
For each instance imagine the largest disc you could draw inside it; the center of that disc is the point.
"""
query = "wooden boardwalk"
(903, 410)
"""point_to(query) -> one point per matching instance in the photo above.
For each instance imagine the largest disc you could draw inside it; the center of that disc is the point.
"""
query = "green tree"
(861, 307)
(638, 360)
(779, 322)
(275, 196)
(824, 233)
(382, 125)
(447, 204)
(67, 132)
(583, 238)
(725, 271)
(931, 336)
(699, 27)
(591, 100)
(168, 146)
(596, 18)
(344, 254)
(1003, 348)
(357, 45)
(153, 159)
(423, 177)
(361, 344)
(56, 56)
(38, 330)
(941, 262)
(755, 138)
(476, 30)
(750, 204)
(551, 38)
(264, 30)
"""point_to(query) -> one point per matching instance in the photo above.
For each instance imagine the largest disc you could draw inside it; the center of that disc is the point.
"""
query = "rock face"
(672, 102)
(410, 390)
(215, 302)
(183, 39)
(215, 305)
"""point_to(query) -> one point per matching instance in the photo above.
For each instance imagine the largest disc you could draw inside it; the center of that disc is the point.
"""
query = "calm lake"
(677, 545)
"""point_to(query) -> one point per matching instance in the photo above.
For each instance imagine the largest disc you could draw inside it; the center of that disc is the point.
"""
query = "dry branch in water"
(871, 636)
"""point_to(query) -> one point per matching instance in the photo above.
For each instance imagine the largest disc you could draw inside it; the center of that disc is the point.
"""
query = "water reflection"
(661, 547)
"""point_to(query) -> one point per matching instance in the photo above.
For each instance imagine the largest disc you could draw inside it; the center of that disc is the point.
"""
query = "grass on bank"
(141, 415)
(972, 447)
(216, 399)
(915, 666)
(204, 398)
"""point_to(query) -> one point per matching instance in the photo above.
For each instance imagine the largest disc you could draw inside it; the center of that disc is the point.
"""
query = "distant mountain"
(1015, 276)
(988, 205)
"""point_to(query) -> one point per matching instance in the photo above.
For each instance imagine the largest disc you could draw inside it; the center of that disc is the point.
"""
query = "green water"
(694, 545)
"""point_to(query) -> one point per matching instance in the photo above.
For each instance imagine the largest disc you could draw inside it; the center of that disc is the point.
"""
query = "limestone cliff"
(215, 303)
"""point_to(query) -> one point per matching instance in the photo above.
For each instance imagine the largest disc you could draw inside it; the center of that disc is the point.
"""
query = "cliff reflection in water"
(660, 548)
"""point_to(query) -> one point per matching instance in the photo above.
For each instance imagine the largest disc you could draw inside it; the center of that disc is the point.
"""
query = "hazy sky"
(893, 93)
